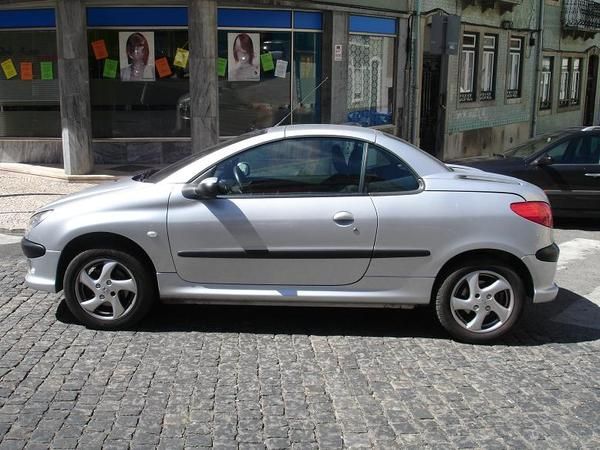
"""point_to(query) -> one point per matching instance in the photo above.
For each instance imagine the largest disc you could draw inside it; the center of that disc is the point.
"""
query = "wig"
(138, 40)
(246, 44)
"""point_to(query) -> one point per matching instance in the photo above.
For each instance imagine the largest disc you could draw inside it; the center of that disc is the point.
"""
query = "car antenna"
(301, 101)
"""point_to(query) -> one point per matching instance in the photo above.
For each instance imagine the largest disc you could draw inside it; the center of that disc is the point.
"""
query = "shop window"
(370, 79)
(563, 93)
(468, 67)
(254, 80)
(139, 82)
(29, 96)
(546, 83)
(307, 76)
(515, 58)
(488, 68)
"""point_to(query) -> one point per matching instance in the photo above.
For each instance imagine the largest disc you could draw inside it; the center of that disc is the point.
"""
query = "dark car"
(565, 164)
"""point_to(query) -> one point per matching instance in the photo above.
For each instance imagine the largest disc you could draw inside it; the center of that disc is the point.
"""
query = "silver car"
(310, 215)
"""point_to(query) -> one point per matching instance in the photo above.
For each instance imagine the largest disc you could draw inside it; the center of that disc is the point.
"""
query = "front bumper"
(41, 271)
(542, 274)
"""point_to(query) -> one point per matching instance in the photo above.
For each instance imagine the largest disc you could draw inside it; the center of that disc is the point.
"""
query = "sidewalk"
(23, 190)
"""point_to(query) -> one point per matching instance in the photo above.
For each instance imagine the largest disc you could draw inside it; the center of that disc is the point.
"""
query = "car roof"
(591, 128)
(366, 134)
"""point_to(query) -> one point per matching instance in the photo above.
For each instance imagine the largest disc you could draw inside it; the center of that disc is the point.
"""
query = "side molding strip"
(304, 254)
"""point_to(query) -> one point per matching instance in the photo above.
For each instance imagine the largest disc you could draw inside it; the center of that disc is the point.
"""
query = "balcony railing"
(503, 5)
(581, 16)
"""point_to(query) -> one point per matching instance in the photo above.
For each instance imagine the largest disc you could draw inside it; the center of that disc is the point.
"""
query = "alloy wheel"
(482, 301)
(106, 289)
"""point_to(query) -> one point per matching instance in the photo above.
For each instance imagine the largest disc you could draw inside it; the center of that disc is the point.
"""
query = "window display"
(135, 84)
(29, 96)
(250, 95)
(370, 80)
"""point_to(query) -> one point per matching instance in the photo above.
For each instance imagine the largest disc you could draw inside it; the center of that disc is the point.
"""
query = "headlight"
(35, 220)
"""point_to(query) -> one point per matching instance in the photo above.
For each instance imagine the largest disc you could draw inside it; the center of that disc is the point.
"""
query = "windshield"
(533, 145)
(169, 170)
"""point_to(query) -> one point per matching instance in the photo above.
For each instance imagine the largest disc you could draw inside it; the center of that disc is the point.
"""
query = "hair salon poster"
(136, 55)
(243, 54)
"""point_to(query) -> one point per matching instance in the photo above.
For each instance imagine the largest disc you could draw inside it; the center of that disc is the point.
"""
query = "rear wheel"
(480, 301)
(108, 289)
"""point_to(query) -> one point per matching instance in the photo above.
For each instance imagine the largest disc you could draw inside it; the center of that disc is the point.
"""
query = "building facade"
(99, 83)
(85, 83)
(522, 68)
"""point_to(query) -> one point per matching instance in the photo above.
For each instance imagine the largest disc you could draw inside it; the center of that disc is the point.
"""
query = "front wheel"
(480, 301)
(108, 289)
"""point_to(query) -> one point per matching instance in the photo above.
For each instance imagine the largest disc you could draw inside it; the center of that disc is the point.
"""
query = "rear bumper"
(542, 274)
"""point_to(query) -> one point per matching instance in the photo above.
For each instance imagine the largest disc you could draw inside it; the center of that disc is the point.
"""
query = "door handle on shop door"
(343, 218)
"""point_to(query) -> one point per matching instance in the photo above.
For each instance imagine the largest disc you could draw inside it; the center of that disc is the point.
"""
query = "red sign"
(26, 71)
(99, 48)
(163, 68)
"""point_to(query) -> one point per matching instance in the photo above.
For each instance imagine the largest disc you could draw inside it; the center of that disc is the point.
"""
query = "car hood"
(108, 187)
(464, 178)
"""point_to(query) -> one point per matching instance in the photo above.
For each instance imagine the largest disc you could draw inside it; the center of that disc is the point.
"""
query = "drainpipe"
(415, 48)
(538, 70)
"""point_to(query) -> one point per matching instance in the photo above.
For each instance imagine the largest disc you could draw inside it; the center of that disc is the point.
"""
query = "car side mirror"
(545, 160)
(206, 189)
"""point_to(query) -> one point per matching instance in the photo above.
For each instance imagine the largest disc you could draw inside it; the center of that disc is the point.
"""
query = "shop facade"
(86, 84)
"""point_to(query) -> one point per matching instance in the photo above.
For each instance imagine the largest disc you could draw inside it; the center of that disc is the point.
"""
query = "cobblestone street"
(200, 376)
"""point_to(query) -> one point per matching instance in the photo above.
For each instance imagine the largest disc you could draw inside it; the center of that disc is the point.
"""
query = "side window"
(295, 166)
(595, 149)
(587, 151)
(559, 153)
(581, 150)
(386, 173)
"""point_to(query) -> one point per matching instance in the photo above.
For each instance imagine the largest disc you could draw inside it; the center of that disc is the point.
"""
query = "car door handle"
(343, 218)
(593, 175)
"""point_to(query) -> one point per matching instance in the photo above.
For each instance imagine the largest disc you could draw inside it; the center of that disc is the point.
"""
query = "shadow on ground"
(569, 319)
(577, 224)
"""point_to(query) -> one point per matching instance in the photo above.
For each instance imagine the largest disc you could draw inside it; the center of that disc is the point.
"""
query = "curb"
(53, 172)
(13, 231)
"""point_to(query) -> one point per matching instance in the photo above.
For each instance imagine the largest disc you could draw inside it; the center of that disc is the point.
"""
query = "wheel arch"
(89, 241)
(494, 254)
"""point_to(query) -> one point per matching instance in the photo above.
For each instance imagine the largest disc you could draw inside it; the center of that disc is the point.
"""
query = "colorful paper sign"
(99, 48)
(26, 71)
(221, 66)
(110, 68)
(163, 68)
(8, 67)
(181, 58)
(281, 68)
(266, 61)
(46, 70)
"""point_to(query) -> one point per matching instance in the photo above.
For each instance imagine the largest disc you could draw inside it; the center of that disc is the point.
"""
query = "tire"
(479, 301)
(109, 289)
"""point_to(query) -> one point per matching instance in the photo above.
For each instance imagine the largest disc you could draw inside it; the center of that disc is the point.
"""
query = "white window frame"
(575, 88)
(563, 89)
(468, 68)
(546, 84)
(515, 57)
(488, 67)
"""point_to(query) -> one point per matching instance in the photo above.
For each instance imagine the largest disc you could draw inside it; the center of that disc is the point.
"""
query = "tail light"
(538, 212)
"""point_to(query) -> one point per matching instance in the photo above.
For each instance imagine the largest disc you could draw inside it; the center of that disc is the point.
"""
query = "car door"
(292, 214)
(571, 179)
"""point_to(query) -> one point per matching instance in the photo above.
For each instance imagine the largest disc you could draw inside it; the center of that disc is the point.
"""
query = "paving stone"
(270, 378)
